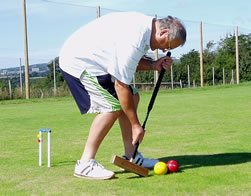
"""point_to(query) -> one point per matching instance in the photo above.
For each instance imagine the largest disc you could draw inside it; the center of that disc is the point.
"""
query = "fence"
(46, 34)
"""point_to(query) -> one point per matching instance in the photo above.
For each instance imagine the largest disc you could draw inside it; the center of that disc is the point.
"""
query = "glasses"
(169, 45)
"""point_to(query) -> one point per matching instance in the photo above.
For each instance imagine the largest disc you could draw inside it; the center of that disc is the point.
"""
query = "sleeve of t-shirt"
(125, 62)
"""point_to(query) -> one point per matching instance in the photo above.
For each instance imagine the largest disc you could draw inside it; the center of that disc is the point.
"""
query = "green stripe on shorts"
(115, 104)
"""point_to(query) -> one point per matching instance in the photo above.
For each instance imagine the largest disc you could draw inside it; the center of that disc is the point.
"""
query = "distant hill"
(39, 68)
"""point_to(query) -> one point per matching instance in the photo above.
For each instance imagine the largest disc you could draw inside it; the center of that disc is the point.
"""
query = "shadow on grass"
(195, 161)
(61, 163)
(134, 176)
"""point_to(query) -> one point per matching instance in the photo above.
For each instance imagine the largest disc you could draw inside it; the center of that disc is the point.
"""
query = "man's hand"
(137, 134)
(165, 62)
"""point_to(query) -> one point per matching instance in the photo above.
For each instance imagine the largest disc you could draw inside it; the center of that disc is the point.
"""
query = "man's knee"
(118, 113)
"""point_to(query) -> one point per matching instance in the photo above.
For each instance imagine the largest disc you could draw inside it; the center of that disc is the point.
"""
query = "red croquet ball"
(172, 166)
(38, 140)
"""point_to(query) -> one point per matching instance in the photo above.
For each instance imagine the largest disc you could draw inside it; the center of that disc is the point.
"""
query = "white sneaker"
(92, 170)
(144, 162)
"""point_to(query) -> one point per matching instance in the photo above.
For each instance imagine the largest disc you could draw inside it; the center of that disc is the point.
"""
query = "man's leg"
(99, 129)
(88, 167)
(126, 129)
(94, 95)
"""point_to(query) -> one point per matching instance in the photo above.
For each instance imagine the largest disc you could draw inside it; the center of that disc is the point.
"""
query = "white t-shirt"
(112, 44)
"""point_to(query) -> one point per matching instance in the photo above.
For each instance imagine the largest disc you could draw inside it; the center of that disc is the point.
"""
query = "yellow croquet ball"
(160, 168)
(38, 136)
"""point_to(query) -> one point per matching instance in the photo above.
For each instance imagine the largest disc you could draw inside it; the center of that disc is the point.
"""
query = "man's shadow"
(194, 161)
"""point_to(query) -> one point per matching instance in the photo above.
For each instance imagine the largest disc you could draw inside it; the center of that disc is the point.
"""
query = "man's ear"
(164, 32)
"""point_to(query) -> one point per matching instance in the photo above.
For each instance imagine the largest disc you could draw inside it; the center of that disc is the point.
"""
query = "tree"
(3, 85)
(245, 57)
(59, 76)
(209, 56)
(180, 69)
(226, 57)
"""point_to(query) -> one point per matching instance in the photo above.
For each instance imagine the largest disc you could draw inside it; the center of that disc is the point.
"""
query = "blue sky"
(50, 22)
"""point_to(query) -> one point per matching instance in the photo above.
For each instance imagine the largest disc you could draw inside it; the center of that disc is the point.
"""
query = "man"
(98, 63)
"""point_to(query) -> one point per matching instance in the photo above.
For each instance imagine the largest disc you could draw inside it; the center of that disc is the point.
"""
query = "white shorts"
(94, 94)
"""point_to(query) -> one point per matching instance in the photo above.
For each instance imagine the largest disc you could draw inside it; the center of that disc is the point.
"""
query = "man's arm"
(126, 101)
(147, 64)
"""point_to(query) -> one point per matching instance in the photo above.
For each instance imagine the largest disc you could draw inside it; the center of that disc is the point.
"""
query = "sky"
(51, 22)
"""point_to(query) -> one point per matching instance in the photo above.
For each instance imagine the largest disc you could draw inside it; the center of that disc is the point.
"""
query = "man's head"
(168, 33)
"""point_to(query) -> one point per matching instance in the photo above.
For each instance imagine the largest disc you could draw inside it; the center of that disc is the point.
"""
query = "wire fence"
(50, 23)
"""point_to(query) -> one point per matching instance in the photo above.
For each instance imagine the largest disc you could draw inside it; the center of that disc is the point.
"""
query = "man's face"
(166, 44)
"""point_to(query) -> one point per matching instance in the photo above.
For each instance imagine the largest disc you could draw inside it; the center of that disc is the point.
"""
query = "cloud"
(181, 4)
(15, 7)
(7, 6)
(119, 5)
(238, 20)
(11, 58)
(44, 53)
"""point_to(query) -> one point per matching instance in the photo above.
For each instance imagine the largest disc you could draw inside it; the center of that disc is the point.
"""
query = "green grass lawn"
(207, 130)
